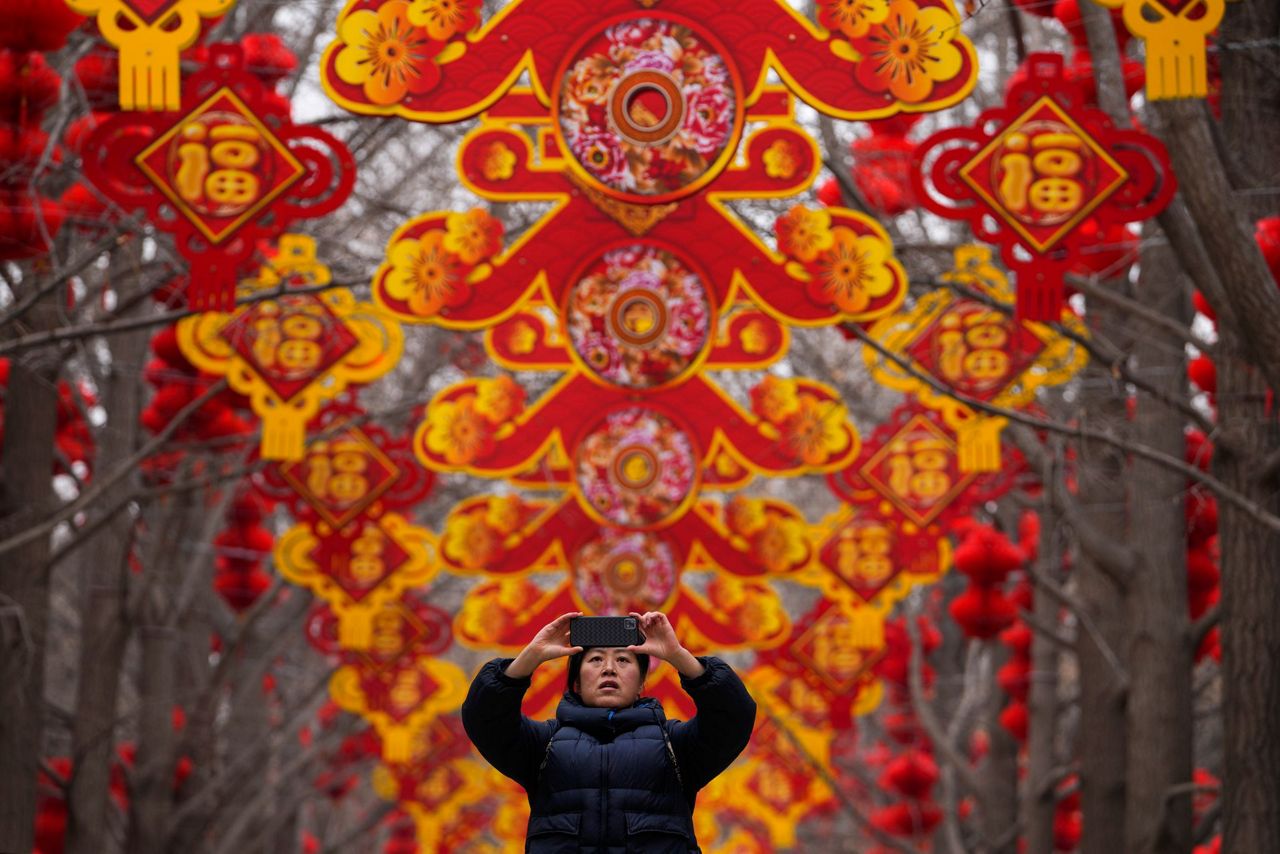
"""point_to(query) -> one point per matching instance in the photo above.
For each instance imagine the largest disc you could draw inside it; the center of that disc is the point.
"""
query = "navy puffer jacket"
(602, 780)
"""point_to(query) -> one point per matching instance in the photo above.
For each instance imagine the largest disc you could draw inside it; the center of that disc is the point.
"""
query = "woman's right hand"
(551, 641)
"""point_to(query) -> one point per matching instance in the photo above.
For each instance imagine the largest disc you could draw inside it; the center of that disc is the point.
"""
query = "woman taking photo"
(610, 773)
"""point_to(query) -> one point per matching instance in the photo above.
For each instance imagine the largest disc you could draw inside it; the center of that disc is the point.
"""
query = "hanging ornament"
(348, 469)
(1174, 34)
(980, 351)
(358, 569)
(150, 35)
(291, 353)
(1024, 176)
(229, 171)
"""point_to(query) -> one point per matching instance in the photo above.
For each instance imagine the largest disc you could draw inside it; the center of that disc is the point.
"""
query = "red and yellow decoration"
(435, 61)
(1025, 176)
(359, 568)
(222, 171)
(1174, 34)
(348, 469)
(982, 352)
(151, 35)
(291, 353)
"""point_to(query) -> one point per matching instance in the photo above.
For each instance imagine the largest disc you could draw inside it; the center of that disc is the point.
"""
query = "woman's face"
(610, 678)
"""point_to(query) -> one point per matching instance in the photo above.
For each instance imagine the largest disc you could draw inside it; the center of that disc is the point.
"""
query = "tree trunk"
(1250, 632)
(104, 626)
(1159, 650)
(26, 498)
(998, 775)
(1101, 745)
(1038, 801)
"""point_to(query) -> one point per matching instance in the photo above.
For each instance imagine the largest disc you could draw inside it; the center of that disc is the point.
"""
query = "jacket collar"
(607, 723)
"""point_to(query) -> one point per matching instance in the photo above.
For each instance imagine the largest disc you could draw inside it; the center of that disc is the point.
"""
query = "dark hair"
(575, 665)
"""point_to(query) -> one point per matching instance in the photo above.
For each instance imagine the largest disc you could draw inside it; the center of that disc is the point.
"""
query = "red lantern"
(982, 612)
(1204, 373)
(27, 224)
(267, 58)
(912, 775)
(1068, 13)
(1014, 678)
(1202, 571)
(829, 193)
(1067, 828)
(28, 87)
(21, 147)
(1267, 233)
(1199, 450)
(882, 173)
(1018, 638)
(99, 73)
(987, 556)
(1080, 71)
(1202, 518)
(907, 819)
(1014, 718)
(1105, 250)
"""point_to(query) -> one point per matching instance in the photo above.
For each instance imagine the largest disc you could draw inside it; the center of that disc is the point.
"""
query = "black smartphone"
(604, 631)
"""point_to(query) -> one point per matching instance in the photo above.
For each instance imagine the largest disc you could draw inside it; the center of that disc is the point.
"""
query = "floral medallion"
(623, 571)
(636, 468)
(639, 317)
(648, 109)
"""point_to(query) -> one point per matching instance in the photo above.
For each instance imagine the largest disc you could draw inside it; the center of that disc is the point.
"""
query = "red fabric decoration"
(148, 160)
(987, 556)
(985, 174)
(982, 612)
(1014, 719)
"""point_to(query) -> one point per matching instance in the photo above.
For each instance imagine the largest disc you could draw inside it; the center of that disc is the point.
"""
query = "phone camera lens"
(629, 623)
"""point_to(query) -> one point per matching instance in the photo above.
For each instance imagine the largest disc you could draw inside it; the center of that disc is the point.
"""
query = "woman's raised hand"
(551, 641)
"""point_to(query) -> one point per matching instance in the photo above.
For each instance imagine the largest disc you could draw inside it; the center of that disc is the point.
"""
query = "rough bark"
(1250, 584)
(1038, 799)
(1159, 650)
(998, 775)
(1100, 470)
(1250, 632)
(26, 496)
(104, 626)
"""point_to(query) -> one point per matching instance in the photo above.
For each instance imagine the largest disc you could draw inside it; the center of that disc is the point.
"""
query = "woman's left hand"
(661, 642)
